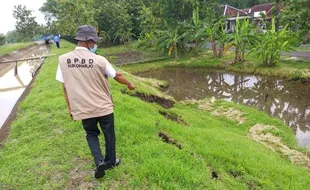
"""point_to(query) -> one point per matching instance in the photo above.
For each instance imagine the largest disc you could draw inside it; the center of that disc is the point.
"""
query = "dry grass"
(230, 113)
(205, 104)
(208, 105)
(275, 143)
(306, 72)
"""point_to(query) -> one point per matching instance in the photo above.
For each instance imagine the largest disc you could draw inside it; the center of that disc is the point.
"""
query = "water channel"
(12, 87)
(287, 100)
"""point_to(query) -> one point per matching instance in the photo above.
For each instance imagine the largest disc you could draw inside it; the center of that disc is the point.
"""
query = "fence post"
(15, 70)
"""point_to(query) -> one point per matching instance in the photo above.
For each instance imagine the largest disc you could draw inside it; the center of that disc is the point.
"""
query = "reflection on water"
(12, 87)
(284, 99)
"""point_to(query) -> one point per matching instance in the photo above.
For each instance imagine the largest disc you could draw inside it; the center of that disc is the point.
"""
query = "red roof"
(262, 7)
(246, 10)
(233, 12)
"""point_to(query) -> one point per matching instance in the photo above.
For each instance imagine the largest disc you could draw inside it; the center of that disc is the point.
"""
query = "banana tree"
(195, 29)
(269, 45)
(216, 34)
(170, 40)
(240, 38)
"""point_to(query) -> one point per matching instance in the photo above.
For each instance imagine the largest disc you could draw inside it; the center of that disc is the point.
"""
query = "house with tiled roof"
(254, 14)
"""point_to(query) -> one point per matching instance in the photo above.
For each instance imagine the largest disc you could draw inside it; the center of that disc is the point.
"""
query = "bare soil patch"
(214, 175)
(78, 177)
(173, 117)
(165, 103)
(169, 140)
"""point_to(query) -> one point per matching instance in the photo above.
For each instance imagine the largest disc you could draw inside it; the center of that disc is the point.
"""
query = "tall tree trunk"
(214, 48)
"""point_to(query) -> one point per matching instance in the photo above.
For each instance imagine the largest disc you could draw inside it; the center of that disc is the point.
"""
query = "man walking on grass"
(56, 40)
(86, 89)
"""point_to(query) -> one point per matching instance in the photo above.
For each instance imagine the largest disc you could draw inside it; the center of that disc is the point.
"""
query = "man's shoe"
(117, 162)
(99, 173)
(111, 166)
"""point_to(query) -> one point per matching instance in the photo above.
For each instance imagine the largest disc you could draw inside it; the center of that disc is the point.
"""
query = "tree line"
(165, 25)
(120, 21)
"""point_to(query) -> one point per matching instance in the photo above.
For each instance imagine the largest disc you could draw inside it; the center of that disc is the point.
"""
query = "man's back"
(56, 39)
(86, 83)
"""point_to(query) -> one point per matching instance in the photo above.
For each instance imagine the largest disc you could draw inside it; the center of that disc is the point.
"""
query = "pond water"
(287, 100)
(12, 87)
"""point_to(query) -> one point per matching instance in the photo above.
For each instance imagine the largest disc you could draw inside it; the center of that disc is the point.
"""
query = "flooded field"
(287, 100)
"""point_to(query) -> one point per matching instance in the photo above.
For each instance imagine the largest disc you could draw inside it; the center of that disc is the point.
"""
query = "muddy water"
(287, 100)
(12, 87)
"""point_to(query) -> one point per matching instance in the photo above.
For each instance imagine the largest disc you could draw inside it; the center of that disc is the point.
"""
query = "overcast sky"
(7, 20)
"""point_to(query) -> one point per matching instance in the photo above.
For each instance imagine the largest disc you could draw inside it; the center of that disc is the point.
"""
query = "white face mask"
(94, 49)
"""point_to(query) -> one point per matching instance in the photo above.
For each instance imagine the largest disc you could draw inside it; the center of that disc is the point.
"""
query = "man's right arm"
(121, 79)
(111, 72)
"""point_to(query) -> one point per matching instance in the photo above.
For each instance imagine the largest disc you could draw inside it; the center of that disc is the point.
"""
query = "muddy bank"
(165, 103)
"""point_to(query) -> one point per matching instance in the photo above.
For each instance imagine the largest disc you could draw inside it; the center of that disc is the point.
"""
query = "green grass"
(8, 48)
(46, 150)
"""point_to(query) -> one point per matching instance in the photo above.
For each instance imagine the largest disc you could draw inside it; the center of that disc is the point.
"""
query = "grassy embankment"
(8, 48)
(45, 150)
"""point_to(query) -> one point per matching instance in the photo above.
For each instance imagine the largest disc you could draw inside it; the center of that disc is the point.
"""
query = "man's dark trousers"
(107, 126)
(57, 44)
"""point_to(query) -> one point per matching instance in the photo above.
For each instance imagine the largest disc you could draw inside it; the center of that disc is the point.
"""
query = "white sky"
(7, 21)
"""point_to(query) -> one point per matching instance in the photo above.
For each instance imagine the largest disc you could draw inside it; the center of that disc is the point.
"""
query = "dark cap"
(86, 33)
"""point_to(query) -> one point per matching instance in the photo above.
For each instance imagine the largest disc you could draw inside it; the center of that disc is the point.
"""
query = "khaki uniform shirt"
(84, 75)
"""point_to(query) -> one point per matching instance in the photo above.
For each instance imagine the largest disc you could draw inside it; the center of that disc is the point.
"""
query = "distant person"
(56, 40)
(87, 93)
(46, 40)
